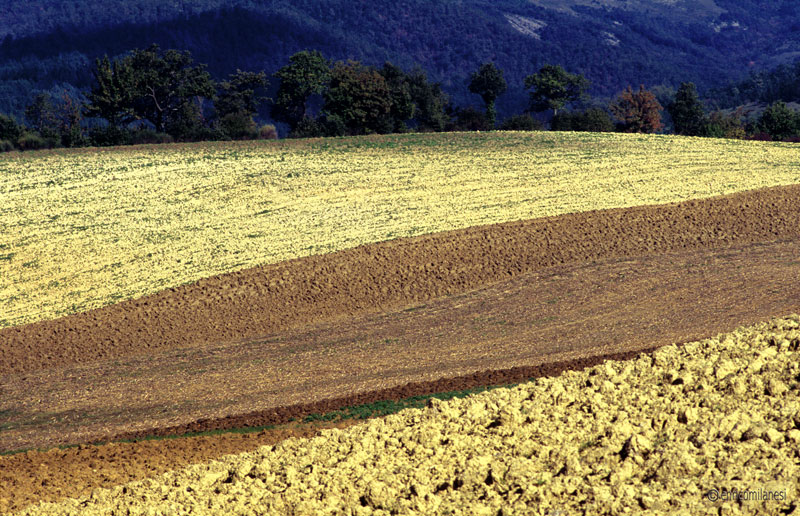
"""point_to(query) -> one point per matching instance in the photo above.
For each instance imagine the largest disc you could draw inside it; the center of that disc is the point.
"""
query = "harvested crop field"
(87, 228)
(587, 275)
(396, 274)
(681, 429)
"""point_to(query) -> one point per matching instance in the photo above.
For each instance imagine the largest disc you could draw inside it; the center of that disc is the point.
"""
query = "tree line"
(156, 96)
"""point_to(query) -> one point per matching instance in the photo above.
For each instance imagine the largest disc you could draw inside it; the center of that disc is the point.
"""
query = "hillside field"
(91, 227)
(280, 289)
(678, 431)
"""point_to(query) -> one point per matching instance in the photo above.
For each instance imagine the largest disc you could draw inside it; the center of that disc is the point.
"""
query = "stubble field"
(87, 228)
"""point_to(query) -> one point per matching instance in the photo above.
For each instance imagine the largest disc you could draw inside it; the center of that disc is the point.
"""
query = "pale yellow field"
(85, 228)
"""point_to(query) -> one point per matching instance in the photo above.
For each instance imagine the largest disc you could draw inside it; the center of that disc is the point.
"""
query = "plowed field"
(473, 306)
(390, 275)
(686, 429)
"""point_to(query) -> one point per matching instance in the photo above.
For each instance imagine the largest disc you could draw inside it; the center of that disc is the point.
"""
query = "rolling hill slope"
(614, 43)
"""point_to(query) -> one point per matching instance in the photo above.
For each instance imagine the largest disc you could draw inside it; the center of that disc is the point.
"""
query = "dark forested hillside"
(50, 44)
(764, 87)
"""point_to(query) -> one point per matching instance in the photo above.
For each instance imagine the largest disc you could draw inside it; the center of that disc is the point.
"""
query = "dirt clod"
(545, 462)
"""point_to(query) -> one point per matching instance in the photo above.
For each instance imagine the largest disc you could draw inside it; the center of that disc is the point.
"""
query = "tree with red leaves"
(638, 112)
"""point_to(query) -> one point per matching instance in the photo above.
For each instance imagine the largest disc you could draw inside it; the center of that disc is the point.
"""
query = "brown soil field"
(572, 314)
(557, 314)
(55, 474)
(58, 473)
(486, 305)
(379, 277)
(707, 428)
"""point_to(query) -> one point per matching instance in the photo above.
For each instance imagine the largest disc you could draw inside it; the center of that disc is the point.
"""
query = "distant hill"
(762, 88)
(50, 44)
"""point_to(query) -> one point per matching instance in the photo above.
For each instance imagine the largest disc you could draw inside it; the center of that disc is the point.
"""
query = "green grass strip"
(356, 412)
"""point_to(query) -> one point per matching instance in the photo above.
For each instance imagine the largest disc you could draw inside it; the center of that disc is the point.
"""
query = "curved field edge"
(48, 475)
(565, 312)
(678, 429)
(87, 228)
(256, 302)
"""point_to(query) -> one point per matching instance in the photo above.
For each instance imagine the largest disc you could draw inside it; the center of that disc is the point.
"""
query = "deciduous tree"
(154, 85)
(307, 74)
(553, 87)
(593, 120)
(638, 112)
(469, 119)
(69, 117)
(113, 92)
(489, 83)
(523, 122)
(430, 102)
(10, 130)
(165, 82)
(239, 93)
(41, 116)
(402, 103)
(358, 97)
(237, 102)
(779, 121)
(58, 121)
(723, 125)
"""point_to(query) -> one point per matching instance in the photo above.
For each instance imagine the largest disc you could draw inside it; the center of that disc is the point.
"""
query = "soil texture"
(558, 314)
(482, 306)
(379, 277)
